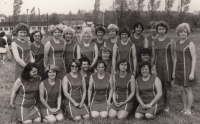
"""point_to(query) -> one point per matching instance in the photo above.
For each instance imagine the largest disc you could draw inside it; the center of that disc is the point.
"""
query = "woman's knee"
(87, 116)
(37, 120)
(95, 114)
(188, 90)
(112, 113)
(122, 115)
(59, 117)
(149, 116)
(138, 116)
(77, 118)
(51, 118)
(27, 122)
(104, 114)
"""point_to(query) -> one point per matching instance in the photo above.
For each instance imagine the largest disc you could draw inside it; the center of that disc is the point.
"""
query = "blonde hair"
(183, 26)
(113, 27)
(52, 28)
(51, 68)
(86, 30)
(68, 30)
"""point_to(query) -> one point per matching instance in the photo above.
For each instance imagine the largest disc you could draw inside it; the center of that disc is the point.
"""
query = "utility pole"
(27, 17)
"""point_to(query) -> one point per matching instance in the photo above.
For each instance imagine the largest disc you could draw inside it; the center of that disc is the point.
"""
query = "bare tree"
(183, 8)
(137, 6)
(153, 5)
(168, 7)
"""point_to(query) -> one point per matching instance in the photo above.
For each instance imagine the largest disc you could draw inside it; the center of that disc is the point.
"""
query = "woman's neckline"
(53, 82)
(68, 42)
(122, 75)
(137, 37)
(124, 43)
(103, 75)
(56, 41)
(162, 38)
(146, 79)
(74, 76)
(182, 42)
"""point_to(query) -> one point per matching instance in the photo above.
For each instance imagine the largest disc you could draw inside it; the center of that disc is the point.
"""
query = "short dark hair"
(123, 61)
(22, 26)
(142, 64)
(100, 28)
(84, 59)
(99, 62)
(27, 69)
(3, 34)
(145, 51)
(105, 49)
(124, 30)
(163, 24)
(33, 33)
(136, 25)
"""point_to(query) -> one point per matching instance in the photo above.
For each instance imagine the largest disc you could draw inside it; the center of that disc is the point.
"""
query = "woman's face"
(153, 30)
(123, 66)
(100, 68)
(52, 74)
(100, 34)
(57, 34)
(105, 55)
(112, 33)
(68, 36)
(33, 73)
(124, 36)
(161, 30)
(145, 71)
(74, 67)
(22, 34)
(37, 37)
(85, 66)
(145, 57)
(183, 33)
(86, 38)
(138, 30)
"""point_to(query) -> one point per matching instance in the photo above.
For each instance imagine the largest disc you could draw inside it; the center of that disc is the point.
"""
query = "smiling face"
(33, 73)
(123, 67)
(145, 57)
(37, 37)
(22, 34)
(161, 30)
(145, 71)
(183, 33)
(74, 67)
(84, 66)
(153, 30)
(124, 36)
(100, 34)
(105, 55)
(52, 74)
(100, 68)
(86, 38)
(68, 36)
(112, 33)
(57, 34)
(138, 29)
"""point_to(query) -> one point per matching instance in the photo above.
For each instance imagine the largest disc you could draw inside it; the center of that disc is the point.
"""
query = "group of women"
(97, 77)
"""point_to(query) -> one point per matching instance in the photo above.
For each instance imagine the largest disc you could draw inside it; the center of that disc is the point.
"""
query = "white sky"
(64, 6)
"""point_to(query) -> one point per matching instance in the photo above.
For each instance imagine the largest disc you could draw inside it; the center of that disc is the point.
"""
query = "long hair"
(27, 69)
(32, 35)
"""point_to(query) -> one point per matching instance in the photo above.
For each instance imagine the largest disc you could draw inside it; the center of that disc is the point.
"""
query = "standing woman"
(124, 49)
(184, 66)
(105, 54)
(21, 49)
(74, 89)
(54, 49)
(163, 54)
(87, 48)
(113, 31)
(101, 85)
(37, 49)
(138, 39)
(124, 90)
(70, 47)
(99, 40)
(24, 95)
(2, 49)
(50, 96)
(148, 93)
(154, 34)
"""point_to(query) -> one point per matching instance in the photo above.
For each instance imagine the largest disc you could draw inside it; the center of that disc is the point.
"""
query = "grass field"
(172, 117)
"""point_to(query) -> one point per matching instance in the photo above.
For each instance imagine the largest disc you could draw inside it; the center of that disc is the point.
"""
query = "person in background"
(125, 49)
(99, 40)
(184, 66)
(154, 34)
(37, 49)
(9, 41)
(148, 93)
(54, 50)
(102, 88)
(113, 31)
(87, 48)
(70, 46)
(124, 90)
(25, 95)
(74, 89)
(21, 49)
(50, 96)
(2, 49)
(163, 51)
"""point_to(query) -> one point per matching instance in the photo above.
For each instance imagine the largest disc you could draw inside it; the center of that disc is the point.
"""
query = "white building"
(2, 18)
(78, 25)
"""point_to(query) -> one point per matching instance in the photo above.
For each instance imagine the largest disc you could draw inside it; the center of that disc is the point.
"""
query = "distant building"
(2, 18)
(78, 25)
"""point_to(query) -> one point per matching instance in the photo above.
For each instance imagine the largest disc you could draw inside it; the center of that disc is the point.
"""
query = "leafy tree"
(168, 7)
(137, 6)
(153, 5)
(54, 19)
(183, 8)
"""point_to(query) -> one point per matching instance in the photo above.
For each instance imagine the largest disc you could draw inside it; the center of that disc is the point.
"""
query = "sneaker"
(166, 109)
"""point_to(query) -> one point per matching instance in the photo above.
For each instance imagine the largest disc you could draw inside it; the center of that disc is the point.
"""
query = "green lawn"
(172, 117)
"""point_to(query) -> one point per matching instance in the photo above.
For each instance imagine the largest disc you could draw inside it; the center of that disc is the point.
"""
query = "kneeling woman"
(124, 90)
(50, 96)
(74, 89)
(148, 93)
(24, 95)
(101, 83)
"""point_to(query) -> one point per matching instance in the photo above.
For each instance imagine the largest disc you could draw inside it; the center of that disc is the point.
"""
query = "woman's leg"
(27, 122)
(189, 97)
(37, 120)
(95, 114)
(139, 116)
(77, 118)
(149, 116)
(85, 117)
(122, 114)
(103, 114)
(50, 118)
(59, 117)
(184, 98)
(4, 58)
(112, 113)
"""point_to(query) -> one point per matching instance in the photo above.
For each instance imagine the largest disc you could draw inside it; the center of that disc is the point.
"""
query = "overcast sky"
(64, 6)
